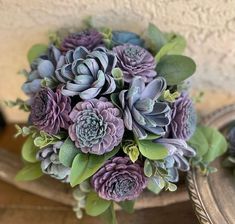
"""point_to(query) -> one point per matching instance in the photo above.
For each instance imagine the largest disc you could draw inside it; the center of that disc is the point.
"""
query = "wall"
(209, 27)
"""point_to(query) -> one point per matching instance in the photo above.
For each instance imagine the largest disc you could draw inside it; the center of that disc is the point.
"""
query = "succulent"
(178, 150)
(50, 111)
(135, 61)
(125, 37)
(89, 39)
(96, 126)
(119, 179)
(184, 119)
(87, 74)
(41, 68)
(50, 164)
(143, 112)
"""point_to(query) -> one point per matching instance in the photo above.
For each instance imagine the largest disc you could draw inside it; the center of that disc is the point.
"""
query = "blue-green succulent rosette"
(109, 115)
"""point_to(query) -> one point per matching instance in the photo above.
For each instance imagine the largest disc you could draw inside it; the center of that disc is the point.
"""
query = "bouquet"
(110, 114)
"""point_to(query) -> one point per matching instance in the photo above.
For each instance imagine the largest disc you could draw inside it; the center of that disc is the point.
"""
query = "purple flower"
(89, 39)
(50, 111)
(96, 127)
(119, 179)
(184, 118)
(134, 61)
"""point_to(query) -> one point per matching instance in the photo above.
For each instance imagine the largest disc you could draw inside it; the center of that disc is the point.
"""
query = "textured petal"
(89, 93)
(46, 68)
(154, 89)
(80, 52)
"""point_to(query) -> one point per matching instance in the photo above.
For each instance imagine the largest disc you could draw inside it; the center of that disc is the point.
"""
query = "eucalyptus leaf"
(217, 144)
(85, 165)
(175, 45)
(175, 68)
(96, 205)
(109, 215)
(29, 150)
(30, 172)
(148, 168)
(156, 38)
(151, 150)
(127, 206)
(35, 51)
(67, 152)
(199, 142)
(153, 186)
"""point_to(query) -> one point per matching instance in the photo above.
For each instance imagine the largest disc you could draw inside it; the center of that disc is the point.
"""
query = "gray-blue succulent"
(178, 152)
(143, 112)
(87, 74)
(41, 68)
(50, 164)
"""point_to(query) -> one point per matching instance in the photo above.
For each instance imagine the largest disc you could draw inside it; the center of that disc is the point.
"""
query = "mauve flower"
(119, 179)
(135, 61)
(125, 37)
(50, 111)
(184, 118)
(89, 39)
(96, 127)
(50, 163)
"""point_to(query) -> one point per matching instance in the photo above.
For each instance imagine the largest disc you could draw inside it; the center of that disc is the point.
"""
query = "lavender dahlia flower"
(142, 111)
(87, 74)
(178, 150)
(50, 111)
(134, 61)
(89, 39)
(96, 127)
(184, 118)
(50, 164)
(125, 37)
(43, 67)
(119, 179)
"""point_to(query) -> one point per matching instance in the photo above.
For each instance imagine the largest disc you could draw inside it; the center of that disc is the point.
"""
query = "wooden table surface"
(20, 207)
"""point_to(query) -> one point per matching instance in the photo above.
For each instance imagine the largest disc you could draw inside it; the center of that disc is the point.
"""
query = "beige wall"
(208, 25)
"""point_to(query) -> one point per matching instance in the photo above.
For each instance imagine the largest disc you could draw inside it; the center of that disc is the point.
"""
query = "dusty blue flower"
(87, 74)
(184, 118)
(96, 127)
(125, 37)
(43, 67)
(50, 164)
(89, 39)
(178, 150)
(135, 61)
(143, 112)
(119, 179)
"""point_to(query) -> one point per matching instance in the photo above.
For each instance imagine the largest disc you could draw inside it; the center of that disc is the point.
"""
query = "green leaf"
(217, 144)
(29, 150)
(175, 68)
(151, 150)
(118, 77)
(156, 38)
(152, 137)
(67, 153)
(153, 186)
(127, 206)
(96, 205)
(115, 100)
(199, 142)
(148, 169)
(35, 51)
(30, 172)
(176, 45)
(109, 215)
